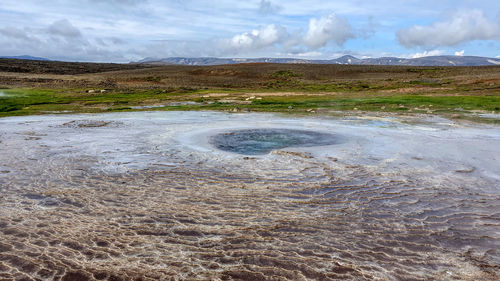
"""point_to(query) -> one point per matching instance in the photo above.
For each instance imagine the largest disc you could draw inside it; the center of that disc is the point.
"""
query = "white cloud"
(313, 54)
(320, 32)
(462, 27)
(460, 53)
(326, 29)
(426, 54)
(498, 56)
(258, 38)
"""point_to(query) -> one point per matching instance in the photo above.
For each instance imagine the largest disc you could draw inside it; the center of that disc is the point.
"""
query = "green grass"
(38, 101)
(392, 103)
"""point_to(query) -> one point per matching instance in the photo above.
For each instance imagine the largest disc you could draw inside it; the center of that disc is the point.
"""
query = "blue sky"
(128, 30)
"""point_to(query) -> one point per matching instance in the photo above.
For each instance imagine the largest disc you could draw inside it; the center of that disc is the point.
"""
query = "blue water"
(263, 141)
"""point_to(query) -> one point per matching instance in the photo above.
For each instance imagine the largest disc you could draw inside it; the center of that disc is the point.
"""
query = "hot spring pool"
(263, 141)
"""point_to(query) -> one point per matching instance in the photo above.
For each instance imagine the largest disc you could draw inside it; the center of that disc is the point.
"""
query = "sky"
(130, 30)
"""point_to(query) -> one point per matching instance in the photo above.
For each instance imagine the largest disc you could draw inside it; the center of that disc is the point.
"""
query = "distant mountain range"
(24, 57)
(423, 61)
(347, 60)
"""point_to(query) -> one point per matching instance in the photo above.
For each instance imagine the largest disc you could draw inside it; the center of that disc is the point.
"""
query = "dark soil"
(57, 67)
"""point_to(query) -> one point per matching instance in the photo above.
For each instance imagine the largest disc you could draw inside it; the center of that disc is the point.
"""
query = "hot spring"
(263, 141)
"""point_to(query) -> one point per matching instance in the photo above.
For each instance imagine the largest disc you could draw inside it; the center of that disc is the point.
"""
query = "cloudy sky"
(128, 30)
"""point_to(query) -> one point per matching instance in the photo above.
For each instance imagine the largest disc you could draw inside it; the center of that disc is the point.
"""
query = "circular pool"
(263, 141)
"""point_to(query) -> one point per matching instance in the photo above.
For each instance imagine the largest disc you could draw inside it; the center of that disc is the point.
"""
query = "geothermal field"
(255, 140)
(248, 196)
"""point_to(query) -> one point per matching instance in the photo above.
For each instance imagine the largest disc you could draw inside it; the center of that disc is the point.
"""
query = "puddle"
(181, 103)
(263, 141)
(147, 106)
(490, 115)
(89, 124)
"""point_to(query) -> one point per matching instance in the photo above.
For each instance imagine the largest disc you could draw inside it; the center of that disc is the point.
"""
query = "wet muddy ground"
(146, 196)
